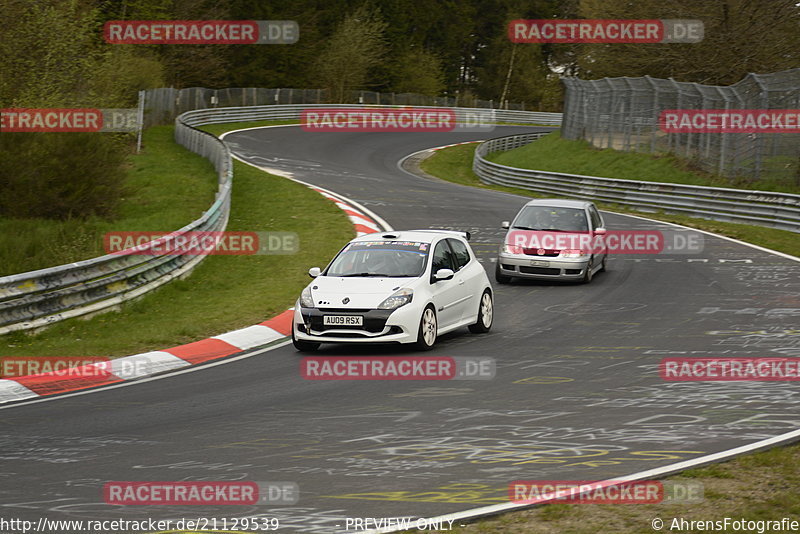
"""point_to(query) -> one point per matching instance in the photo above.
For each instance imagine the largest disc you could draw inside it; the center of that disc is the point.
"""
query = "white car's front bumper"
(380, 326)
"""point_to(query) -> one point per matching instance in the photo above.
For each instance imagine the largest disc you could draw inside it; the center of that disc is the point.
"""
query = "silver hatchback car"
(547, 241)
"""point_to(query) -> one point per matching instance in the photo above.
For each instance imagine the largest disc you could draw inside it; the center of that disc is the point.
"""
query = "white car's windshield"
(552, 219)
(397, 259)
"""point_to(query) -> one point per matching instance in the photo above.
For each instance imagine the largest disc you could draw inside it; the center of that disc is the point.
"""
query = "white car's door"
(447, 295)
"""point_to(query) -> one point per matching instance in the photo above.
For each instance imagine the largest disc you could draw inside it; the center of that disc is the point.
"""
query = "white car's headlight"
(401, 297)
(573, 253)
(306, 300)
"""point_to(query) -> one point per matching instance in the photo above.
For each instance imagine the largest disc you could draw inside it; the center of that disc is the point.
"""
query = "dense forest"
(52, 54)
(53, 51)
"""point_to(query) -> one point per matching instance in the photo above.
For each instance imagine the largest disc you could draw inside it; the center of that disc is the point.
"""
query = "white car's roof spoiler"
(465, 235)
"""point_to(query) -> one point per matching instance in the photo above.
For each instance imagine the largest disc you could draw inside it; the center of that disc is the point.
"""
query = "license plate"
(342, 320)
(539, 263)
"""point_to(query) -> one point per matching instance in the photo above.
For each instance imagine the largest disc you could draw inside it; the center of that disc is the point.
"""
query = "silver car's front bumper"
(542, 267)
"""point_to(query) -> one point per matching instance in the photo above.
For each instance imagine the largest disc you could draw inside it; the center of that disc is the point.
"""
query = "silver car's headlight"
(306, 300)
(401, 297)
(508, 248)
(573, 253)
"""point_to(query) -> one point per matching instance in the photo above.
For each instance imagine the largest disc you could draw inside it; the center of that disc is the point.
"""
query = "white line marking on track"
(150, 379)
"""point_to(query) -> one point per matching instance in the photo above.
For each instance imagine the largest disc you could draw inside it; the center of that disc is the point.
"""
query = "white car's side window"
(460, 252)
(441, 257)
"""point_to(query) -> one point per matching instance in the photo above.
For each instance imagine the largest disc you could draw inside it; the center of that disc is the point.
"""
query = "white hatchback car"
(402, 287)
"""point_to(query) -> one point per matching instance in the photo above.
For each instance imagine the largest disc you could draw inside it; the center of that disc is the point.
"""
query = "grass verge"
(757, 487)
(553, 153)
(166, 189)
(454, 164)
(223, 292)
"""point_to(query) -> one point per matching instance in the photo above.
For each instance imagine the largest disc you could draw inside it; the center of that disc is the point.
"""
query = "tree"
(418, 71)
(195, 65)
(51, 56)
(508, 72)
(740, 36)
(519, 73)
(281, 65)
(357, 46)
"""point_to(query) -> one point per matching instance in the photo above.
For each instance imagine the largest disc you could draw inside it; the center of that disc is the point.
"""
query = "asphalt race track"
(577, 395)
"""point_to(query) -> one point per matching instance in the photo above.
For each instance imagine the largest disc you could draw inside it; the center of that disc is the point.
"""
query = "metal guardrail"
(39, 298)
(762, 208)
(166, 103)
(293, 111)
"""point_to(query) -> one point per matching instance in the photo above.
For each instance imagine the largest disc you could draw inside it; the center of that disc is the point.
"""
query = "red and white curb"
(362, 223)
(150, 363)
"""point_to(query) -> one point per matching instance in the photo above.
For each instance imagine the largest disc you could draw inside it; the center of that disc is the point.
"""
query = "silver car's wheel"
(428, 329)
(485, 314)
(499, 276)
(587, 277)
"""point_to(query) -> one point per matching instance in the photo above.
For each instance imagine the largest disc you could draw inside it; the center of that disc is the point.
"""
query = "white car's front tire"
(428, 329)
(304, 346)
(485, 314)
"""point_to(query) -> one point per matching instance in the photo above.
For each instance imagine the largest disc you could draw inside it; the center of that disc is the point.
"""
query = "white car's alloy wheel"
(487, 309)
(427, 329)
(485, 314)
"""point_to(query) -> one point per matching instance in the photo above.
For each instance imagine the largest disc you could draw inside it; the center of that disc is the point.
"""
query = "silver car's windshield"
(397, 259)
(552, 219)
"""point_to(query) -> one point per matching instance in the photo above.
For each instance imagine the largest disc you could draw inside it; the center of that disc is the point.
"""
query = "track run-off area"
(577, 393)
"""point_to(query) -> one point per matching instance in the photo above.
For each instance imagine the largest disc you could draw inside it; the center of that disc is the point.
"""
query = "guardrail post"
(764, 100)
(140, 120)
(723, 142)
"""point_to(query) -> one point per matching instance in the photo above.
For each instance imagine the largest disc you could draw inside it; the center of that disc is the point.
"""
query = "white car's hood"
(366, 292)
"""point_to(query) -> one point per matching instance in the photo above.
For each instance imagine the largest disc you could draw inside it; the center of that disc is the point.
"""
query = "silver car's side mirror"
(505, 224)
(314, 272)
(443, 274)
(599, 231)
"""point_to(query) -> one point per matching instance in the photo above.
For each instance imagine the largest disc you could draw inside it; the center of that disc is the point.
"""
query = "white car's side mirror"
(505, 224)
(314, 272)
(443, 274)
(600, 231)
